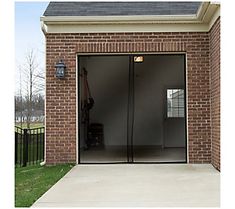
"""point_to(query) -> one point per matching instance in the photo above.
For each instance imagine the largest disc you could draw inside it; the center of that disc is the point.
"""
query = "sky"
(28, 34)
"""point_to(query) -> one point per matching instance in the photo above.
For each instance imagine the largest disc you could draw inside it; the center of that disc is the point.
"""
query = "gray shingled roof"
(120, 8)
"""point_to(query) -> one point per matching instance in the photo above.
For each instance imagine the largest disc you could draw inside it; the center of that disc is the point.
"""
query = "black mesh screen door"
(132, 109)
(159, 133)
(104, 81)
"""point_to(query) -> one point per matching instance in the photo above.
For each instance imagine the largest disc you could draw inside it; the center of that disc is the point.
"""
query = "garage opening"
(132, 108)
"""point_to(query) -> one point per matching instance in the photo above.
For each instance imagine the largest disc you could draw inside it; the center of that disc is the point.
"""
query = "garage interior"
(132, 108)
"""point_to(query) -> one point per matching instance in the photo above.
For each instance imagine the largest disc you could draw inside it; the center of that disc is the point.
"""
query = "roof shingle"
(121, 8)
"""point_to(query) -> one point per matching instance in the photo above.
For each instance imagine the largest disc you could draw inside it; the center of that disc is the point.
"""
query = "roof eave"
(117, 19)
(204, 16)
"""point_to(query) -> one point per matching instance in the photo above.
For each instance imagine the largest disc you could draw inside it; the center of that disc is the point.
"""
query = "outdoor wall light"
(138, 58)
(60, 69)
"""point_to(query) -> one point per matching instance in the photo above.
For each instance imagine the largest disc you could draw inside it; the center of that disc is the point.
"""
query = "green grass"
(32, 125)
(33, 181)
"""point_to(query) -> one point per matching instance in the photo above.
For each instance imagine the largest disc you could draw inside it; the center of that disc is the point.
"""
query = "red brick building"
(141, 82)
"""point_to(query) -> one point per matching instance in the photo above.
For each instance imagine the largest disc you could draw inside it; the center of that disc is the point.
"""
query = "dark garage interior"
(132, 108)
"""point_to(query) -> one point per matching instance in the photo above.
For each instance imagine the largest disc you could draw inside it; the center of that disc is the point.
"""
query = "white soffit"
(201, 22)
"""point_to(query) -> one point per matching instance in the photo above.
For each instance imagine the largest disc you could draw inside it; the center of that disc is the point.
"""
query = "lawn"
(32, 182)
(32, 125)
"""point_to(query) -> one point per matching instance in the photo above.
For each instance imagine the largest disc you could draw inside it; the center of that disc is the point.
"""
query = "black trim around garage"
(130, 114)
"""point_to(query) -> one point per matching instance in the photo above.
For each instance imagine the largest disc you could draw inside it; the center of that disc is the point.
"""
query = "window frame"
(166, 102)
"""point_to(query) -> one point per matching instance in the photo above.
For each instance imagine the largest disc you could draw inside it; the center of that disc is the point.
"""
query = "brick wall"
(60, 104)
(61, 94)
(215, 92)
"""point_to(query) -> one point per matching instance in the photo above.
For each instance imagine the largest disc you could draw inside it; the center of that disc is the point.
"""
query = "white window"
(175, 103)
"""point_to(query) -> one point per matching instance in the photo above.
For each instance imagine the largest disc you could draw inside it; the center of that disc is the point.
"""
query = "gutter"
(202, 21)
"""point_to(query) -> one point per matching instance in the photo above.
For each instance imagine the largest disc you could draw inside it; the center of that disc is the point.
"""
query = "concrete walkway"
(143, 185)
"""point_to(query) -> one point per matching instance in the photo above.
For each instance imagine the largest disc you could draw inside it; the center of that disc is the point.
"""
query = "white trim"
(45, 109)
(210, 13)
(202, 10)
(214, 17)
(201, 22)
(43, 27)
(110, 28)
(115, 19)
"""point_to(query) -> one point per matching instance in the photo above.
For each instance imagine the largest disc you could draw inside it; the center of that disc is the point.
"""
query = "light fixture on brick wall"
(60, 69)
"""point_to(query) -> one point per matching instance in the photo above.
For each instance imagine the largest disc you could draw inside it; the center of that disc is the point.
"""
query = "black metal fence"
(29, 146)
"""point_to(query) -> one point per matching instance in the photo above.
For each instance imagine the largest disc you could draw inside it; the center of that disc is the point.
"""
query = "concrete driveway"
(143, 185)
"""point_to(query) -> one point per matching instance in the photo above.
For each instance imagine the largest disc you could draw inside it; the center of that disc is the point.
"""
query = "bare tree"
(33, 82)
(19, 99)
